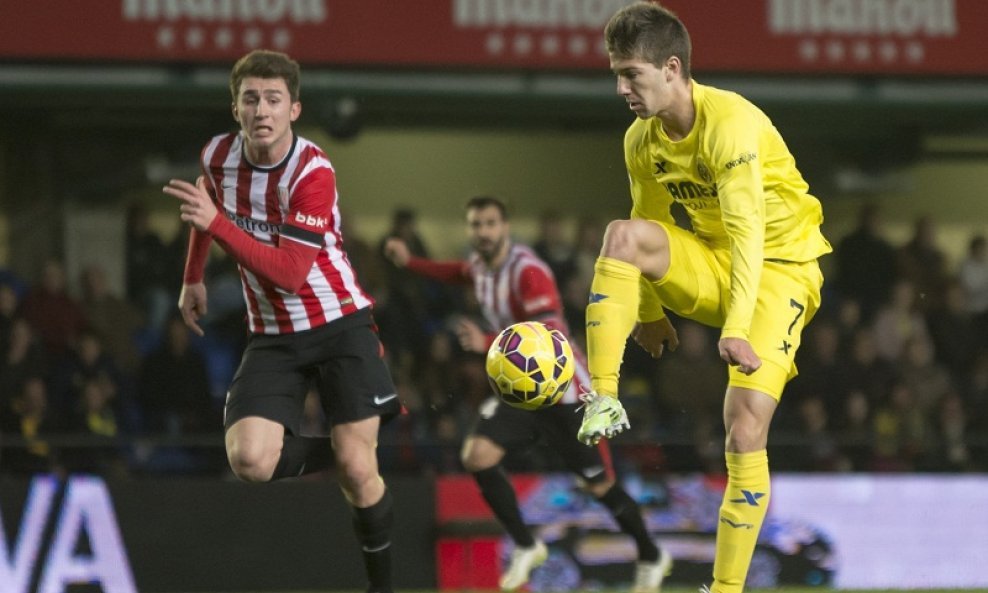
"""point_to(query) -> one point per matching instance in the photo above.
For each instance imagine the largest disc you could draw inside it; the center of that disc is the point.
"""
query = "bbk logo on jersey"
(313, 221)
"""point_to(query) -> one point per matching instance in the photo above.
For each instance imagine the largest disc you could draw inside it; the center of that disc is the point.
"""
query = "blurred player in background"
(512, 285)
(268, 197)
(749, 266)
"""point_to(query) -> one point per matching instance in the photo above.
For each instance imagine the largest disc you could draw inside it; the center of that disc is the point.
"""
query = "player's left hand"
(471, 337)
(738, 352)
(197, 206)
(654, 336)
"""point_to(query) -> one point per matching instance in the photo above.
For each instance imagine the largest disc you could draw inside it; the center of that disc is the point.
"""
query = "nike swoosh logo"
(383, 399)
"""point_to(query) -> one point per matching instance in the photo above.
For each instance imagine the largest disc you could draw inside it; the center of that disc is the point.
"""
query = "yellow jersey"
(739, 185)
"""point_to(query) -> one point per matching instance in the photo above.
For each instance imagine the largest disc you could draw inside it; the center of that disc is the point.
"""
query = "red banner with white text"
(900, 37)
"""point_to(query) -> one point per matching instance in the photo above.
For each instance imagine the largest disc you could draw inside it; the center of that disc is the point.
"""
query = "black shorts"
(341, 360)
(514, 429)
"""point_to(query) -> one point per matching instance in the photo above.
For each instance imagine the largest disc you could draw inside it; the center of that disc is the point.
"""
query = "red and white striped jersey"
(523, 288)
(295, 200)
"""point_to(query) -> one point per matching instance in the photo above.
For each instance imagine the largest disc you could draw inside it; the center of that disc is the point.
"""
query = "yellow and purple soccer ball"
(530, 365)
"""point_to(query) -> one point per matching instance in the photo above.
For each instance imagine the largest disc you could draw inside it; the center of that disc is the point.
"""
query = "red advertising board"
(923, 37)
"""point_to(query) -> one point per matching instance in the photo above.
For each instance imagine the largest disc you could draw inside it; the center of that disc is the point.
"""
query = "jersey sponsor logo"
(742, 159)
(660, 167)
(309, 220)
(693, 195)
(252, 225)
(596, 297)
(383, 399)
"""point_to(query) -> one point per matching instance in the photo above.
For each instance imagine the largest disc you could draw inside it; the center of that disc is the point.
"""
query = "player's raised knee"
(253, 463)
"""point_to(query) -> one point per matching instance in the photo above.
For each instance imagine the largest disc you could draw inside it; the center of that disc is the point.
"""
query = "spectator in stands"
(866, 263)
(929, 380)
(22, 359)
(403, 315)
(26, 426)
(56, 317)
(690, 386)
(95, 419)
(88, 361)
(822, 368)
(867, 372)
(8, 311)
(899, 320)
(956, 336)
(951, 452)
(900, 430)
(922, 262)
(972, 274)
(554, 247)
(148, 268)
(116, 319)
(853, 428)
(173, 389)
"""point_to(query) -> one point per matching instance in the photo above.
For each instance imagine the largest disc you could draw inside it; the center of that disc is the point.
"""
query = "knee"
(625, 240)
(745, 437)
(357, 468)
(478, 455)
(253, 462)
(598, 489)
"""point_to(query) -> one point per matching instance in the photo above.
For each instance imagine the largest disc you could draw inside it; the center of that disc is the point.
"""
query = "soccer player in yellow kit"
(748, 266)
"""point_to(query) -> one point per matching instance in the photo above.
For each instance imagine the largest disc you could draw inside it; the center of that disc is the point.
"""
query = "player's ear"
(233, 109)
(673, 68)
(296, 110)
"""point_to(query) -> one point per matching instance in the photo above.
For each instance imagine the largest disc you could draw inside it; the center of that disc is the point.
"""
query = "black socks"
(500, 496)
(373, 528)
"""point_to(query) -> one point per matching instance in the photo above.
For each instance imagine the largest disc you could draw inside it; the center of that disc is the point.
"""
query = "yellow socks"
(611, 315)
(741, 516)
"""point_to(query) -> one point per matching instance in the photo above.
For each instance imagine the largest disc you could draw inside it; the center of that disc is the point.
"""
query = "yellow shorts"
(697, 286)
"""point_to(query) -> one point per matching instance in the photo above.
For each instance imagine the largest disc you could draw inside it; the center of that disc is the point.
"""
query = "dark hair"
(479, 202)
(650, 32)
(263, 63)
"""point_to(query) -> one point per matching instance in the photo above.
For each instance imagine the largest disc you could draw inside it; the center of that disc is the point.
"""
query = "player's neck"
(678, 120)
(500, 257)
(268, 155)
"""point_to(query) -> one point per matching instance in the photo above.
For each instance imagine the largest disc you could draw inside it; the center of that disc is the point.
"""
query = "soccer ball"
(530, 365)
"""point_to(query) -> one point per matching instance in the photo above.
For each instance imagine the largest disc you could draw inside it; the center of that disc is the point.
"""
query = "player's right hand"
(654, 336)
(397, 251)
(192, 304)
(738, 352)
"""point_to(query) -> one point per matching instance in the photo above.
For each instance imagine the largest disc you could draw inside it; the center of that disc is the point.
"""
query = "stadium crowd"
(893, 372)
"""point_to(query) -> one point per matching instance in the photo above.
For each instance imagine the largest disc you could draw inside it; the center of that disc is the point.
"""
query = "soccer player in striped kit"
(268, 198)
(512, 284)
(747, 266)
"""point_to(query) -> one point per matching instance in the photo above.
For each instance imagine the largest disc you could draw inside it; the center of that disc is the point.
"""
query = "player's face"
(646, 87)
(488, 232)
(265, 111)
